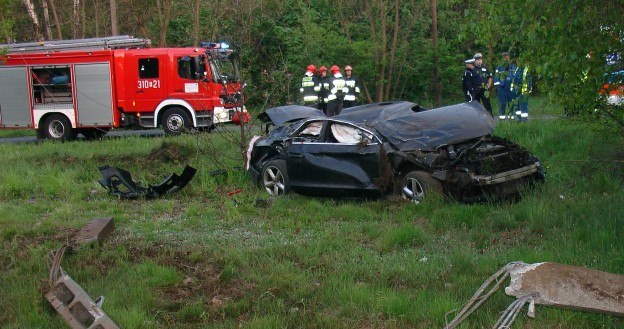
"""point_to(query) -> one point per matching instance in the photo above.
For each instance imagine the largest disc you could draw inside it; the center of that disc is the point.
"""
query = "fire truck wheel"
(58, 127)
(175, 121)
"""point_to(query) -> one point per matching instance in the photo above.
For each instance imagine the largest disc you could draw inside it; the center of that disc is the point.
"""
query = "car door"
(343, 158)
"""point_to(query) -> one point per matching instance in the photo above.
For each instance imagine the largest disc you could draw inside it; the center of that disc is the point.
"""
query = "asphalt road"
(117, 133)
(112, 134)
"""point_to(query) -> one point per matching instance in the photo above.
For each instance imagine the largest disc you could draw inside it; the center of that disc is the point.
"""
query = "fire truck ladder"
(115, 42)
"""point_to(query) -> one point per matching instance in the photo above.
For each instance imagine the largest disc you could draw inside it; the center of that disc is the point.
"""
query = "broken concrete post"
(76, 307)
(96, 231)
(569, 287)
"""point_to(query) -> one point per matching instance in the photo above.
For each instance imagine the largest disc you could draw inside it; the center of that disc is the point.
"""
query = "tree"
(566, 43)
(30, 8)
(113, 17)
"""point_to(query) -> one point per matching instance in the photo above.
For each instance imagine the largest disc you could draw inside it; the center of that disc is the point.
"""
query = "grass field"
(203, 259)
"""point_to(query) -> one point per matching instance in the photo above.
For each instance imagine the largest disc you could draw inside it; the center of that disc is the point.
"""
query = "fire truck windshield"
(225, 67)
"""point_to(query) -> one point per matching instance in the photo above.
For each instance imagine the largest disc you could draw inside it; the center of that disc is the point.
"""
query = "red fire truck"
(87, 86)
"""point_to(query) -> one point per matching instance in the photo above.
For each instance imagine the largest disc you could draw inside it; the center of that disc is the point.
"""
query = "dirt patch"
(205, 282)
(169, 152)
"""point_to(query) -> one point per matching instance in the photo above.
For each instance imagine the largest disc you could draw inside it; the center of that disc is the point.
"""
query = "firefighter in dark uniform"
(471, 81)
(486, 82)
(353, 84)
(324, 89)
(310, 87)
(337, 90)
(502, 80)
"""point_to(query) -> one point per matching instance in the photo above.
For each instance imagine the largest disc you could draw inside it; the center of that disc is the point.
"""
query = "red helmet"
(323, 68)
(335, 69)
(311, 68)
(348, 68)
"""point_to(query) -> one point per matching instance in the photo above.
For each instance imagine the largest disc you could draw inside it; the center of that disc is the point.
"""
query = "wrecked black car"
(392, 147)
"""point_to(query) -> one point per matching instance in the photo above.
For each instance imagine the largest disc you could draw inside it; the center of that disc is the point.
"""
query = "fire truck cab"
(63, 93)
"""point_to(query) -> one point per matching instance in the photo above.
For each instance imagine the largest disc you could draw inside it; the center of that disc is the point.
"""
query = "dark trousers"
(347, 104)
(334, 107)
(485, 101)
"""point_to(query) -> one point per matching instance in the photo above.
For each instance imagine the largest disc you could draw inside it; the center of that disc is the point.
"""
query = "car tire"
(417, 185)
(58, 127)
(176, 121)
(274, 177)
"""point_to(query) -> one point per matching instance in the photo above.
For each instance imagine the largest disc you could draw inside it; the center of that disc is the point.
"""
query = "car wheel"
(176, 121)
(274, 177)
(417, 185)
(57, 127)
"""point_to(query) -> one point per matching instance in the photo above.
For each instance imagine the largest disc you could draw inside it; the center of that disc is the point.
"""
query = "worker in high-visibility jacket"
(337, 90)
(521, 87)
(353, 84)
(310, 87)
(502, 80)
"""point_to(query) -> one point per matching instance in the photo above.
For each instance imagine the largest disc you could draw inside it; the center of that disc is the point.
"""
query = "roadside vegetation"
(203, 258)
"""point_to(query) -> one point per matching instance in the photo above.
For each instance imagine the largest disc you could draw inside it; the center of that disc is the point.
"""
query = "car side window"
(346, 134)
(311, 132)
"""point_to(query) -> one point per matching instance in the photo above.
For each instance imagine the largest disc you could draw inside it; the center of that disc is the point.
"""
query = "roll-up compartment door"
(14, 99)
(94, 94)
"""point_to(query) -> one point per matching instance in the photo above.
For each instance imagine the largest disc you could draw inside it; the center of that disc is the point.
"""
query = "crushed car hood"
(403, 124)
(282, 114)
(408, 130)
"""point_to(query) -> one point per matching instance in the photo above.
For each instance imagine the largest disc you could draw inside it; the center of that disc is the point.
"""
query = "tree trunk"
(46, 19)
(437, 88)
(393, 48)
(162, 42)
(30, 8)
(113, 17)
(59, 33)
(75, 18)
(196, 13)
(83, 14)
(96, 16)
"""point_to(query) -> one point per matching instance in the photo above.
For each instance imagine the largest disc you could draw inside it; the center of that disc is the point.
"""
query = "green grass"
(201, 258)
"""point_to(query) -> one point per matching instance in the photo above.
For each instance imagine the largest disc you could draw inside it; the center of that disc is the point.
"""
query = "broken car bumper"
(487, 180)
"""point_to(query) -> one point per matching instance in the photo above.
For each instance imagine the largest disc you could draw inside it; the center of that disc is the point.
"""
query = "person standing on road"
(471, 81)
(486, 82)
(337, 90)
(310, 87)
(353, 85)
(324, 89)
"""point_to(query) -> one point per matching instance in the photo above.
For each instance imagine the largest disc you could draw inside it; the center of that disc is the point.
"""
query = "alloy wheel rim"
(413, 191)
(273, 181)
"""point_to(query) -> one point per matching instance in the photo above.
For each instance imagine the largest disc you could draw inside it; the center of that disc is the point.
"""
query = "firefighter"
(324, 89)
(310, 87)
(521, 86)
(337, 90)
(486, 82)
(502, 81)
(471, 81)
(353, 85)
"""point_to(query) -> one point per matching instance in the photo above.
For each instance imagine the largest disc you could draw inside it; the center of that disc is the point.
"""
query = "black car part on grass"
(119, 182)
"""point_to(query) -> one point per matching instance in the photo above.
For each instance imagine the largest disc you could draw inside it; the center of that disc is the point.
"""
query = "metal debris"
(119, 182)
